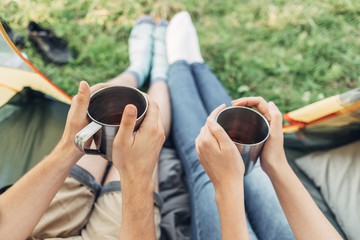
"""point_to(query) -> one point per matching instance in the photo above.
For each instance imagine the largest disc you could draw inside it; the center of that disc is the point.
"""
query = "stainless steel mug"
(105, 111)
(248, 129)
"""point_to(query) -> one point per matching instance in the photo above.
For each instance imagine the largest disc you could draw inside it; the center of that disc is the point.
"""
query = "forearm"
(305, 218)
(230, 202)
(22, 206)
(137, 210)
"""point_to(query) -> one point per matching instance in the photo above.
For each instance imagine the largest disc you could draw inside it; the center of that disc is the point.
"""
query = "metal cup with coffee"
(248, 129)
(105, 111)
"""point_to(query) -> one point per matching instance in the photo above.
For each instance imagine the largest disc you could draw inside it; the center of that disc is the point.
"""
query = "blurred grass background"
(290, 52)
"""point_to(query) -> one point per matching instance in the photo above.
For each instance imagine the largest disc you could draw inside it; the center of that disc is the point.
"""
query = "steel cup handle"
(84, 135)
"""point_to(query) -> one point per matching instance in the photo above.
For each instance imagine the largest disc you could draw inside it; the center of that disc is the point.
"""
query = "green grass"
(290, 52)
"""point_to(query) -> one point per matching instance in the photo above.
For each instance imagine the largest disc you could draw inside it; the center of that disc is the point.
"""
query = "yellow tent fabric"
(16, 72)
(335, 111)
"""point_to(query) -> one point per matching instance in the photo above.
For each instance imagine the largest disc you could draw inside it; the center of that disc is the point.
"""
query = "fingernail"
(131, 110)
(82, 86)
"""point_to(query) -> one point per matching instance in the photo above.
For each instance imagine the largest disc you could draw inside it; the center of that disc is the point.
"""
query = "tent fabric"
(16, 72)
(30, 124)
(33, 111)
(8, 55)
(336, 111)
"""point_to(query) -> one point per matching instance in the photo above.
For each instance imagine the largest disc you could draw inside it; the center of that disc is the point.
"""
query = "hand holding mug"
(135, 153)
(105, 111)
(76, 118)
(273, 154)
(218, 154)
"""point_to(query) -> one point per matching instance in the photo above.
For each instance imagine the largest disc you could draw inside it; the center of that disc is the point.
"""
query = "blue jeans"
(195, 92)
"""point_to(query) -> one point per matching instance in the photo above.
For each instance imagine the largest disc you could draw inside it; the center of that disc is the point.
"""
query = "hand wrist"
(68, 151)
(137, 185)
(276, 170)
(229, 181)
(229, 189)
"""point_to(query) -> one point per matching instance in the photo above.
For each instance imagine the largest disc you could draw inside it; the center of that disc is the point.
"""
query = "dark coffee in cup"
(107, 105)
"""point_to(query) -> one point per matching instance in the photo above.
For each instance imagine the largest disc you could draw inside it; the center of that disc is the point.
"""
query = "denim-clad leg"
(211, 91)
(262, 207)
(189, 115)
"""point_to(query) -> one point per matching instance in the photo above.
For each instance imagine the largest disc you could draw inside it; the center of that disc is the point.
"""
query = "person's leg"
(105, 219)
(71, 207)
(94, 164)
(263, 208)
(140, 49)
(140, 55)
(125, 79)
(180, 34)
(66, 217)
(212, 92)
(158, 89)
(189, 115)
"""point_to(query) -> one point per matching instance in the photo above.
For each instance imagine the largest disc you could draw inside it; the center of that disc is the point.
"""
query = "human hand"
(135, 154)
(76, 119)
(218, 154)
(273, 154)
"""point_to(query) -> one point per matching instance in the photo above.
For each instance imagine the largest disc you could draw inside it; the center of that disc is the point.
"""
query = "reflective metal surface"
(105, 110)
(248, 129)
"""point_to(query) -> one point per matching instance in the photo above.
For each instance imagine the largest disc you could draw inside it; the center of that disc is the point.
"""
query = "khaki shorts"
(83, 209)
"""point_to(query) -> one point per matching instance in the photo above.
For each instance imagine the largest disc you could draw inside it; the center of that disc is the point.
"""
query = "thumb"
(216, 111)
(218, 132)
(127, 125)
(80, 102)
